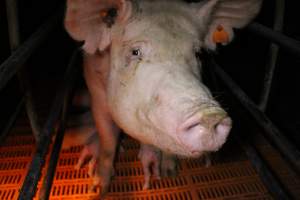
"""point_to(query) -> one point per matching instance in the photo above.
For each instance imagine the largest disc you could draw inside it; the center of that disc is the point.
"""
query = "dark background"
(244, 59)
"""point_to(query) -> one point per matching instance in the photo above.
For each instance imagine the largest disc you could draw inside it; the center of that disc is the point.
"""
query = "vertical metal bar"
(30, 183)
(12, 120)
(47, 183)
(288, 151)
(14, 39)
(273, 54)
(13, 23)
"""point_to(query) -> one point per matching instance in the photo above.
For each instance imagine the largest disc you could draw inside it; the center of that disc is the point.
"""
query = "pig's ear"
(91, 21)
(219, 17)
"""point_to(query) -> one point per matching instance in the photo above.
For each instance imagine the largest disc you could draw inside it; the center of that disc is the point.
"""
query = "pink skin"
(100, 165)
(90, 152)
(169, 164)
(106, 129)
(150, 158)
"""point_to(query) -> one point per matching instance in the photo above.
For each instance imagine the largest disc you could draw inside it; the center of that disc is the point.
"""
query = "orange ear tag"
(220, 35)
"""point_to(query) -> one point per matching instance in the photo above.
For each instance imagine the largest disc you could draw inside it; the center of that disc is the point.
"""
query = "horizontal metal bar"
(47, 183)
(289, 44)
(11, 65)
(273, 184)
(287, 149)
(30, 184)
(12, 120)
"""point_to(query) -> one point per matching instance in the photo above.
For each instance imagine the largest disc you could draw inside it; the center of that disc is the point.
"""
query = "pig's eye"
(136, 52)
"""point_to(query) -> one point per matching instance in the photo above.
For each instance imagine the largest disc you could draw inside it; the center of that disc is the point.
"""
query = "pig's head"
(154, 89)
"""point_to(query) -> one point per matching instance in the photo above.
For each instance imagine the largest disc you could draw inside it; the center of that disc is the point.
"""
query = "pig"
(143, 76)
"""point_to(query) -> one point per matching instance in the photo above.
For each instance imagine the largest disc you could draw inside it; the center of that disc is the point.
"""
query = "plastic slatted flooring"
(230, 176)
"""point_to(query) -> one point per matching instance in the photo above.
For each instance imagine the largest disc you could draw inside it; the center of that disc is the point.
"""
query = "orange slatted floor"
(230, 176)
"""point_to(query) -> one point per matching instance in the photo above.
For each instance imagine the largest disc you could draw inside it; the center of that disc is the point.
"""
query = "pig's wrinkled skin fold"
(143, 75)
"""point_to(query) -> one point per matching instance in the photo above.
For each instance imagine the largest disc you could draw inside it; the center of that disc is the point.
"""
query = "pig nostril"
(216, 126)
(223, 126)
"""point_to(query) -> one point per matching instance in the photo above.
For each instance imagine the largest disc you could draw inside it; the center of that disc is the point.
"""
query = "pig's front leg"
(169, 164)
(96, 69)
(150, 158)
(108, 139)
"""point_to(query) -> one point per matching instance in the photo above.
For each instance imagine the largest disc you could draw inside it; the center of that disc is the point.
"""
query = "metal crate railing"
(12, 65)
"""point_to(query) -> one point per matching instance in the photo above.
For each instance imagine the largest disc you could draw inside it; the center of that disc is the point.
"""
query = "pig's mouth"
(204, 131)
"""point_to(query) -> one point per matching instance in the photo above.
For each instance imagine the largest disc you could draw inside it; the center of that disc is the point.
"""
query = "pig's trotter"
(92, 167)
(150, 158)
(156, 169)
(108, 137)
(207, 160)
(102, 178)
(90, 152)
(169, 165)
(81, 159)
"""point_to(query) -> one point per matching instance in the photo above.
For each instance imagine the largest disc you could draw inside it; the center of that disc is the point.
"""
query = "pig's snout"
(213, 123)
(205, 131)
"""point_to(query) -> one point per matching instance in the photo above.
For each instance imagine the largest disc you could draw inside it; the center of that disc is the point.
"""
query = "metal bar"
(13, 23)
(30, 183)
(270, 180)
(14, 39)
(273, 184)
(31, 108)
(12, 120)
(273, 54)
(11, 65)
(287, 149)
(47, 183)
(287, 43)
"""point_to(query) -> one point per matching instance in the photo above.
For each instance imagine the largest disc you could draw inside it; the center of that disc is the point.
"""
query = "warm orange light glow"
(235, 179)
